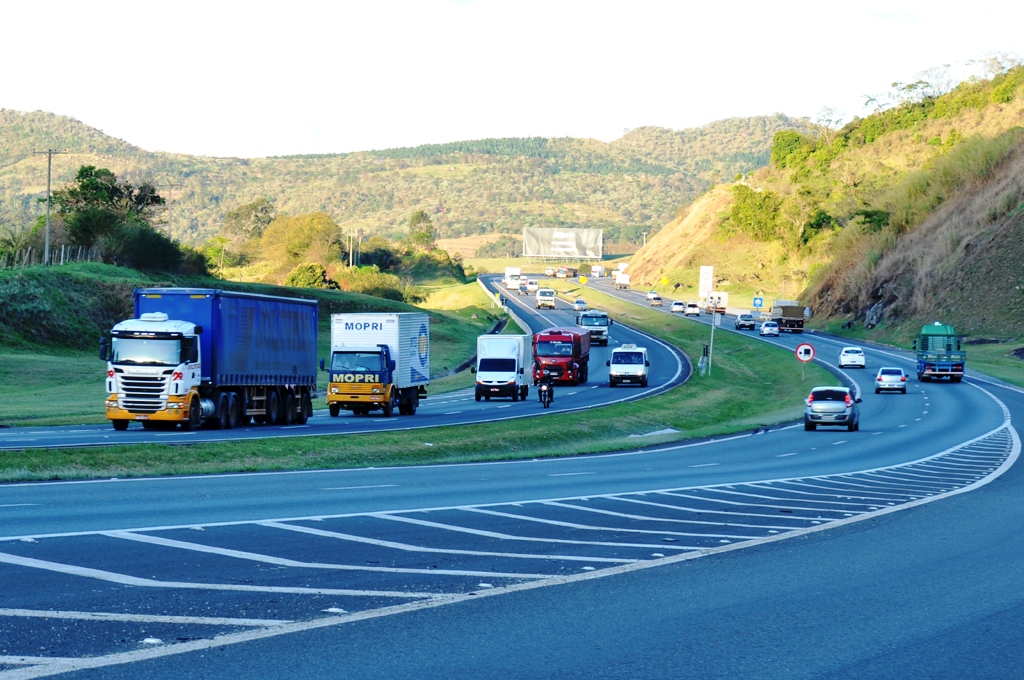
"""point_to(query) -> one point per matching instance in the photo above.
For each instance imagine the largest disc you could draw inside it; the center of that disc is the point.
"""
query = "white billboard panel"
(575, 244)
(707, 282)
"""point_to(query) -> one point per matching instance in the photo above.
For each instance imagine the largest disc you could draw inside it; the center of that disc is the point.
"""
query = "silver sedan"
(891, 378)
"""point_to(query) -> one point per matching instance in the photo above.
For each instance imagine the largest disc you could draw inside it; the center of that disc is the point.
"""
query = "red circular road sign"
(804, 352)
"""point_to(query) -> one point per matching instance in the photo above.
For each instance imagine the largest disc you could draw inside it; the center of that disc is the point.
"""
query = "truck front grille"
(143, 393)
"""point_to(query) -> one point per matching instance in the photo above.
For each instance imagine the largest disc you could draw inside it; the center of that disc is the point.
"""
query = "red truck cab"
(564, 353)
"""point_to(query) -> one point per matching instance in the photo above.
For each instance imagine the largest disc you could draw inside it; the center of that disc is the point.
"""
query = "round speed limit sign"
(805, 352)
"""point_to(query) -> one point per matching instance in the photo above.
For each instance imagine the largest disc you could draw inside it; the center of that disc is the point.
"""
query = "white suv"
(628, 364)
(545, 298)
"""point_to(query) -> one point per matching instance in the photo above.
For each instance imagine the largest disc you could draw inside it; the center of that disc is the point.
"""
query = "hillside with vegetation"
(491, 186)
(912, 213)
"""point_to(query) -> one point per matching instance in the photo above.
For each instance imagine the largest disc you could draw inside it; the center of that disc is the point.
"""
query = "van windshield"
(497, 366)
(628, 358)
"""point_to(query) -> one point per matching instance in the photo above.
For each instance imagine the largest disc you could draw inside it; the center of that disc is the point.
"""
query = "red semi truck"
(564, 353)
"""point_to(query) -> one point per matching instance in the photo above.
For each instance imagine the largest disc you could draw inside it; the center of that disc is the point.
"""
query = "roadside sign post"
(714, 318)
(583, 280)
(804, 353)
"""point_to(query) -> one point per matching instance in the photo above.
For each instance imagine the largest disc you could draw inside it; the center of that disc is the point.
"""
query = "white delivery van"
(501, 362)
(628, 364)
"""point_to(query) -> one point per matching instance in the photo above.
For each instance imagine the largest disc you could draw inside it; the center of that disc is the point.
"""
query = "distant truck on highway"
(789, 314)
(598, 323)
(199, 356)
(564, 353)
(502, 362)
(939, 353)
(512, 276)
(597, 270)
(378, 362)
(621, 281)
(566, 272)
(717, 302)
(545, 298)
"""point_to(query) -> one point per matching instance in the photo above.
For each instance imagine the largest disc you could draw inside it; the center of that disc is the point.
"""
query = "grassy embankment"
(50, 372)
(751, 386)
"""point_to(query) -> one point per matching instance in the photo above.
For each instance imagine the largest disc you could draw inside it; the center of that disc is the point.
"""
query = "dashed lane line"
(142, 618)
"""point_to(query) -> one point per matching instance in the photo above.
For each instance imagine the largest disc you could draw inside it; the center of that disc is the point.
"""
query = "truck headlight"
(335, 390)
(375, 390)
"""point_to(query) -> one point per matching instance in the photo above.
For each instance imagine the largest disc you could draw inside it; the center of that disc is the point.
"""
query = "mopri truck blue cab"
(378, 361)
(224, 358)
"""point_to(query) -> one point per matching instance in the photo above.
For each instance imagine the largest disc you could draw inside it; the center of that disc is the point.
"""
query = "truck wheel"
(957, 378)
(643, 383)
(232, 411)
(389, 408)
(478, 396)
(119, 425)
(334, 410)
(515, 396)
(414, 404)
(221, 421)
(195, 416)
(526, 392)
(305, 409)
(288, 415)
(273, 408)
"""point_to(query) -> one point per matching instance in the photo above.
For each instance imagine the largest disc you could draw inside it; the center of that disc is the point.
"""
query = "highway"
(888, 552)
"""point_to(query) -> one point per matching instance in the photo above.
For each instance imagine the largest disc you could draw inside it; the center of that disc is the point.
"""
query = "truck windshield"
(593, 321)
(554, 348)
(628, 358)
(356, 361)
(497, 366)
(146, 352)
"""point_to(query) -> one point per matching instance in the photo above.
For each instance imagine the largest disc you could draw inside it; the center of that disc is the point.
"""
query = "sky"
(234, 79)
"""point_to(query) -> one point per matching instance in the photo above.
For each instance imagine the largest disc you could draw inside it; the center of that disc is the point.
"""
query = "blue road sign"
(758, 303)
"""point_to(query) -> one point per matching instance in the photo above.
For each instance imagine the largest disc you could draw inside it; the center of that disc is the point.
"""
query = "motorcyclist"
(545, 379)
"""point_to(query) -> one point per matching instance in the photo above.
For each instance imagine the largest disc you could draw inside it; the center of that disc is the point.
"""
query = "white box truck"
(501, 362)
(621, 281)
(378, 361)
(512, 276)
(597, 270)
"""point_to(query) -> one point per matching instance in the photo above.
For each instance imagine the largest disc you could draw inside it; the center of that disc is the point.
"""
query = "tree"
(421, 230)
(248, 221)
(304, 238)
(310, 275)
(99, 189)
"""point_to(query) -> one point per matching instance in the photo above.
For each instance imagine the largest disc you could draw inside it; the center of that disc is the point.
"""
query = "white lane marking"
(595, 387)
(704, 465)
(33, 661)
(181, 433)
(787, 455)
(367, 486)
(505, 406)
(571, 474)
(17, 505)
(451, 413)
(127, 580)
(284, 562)
(506, 537)
(841, 441)
(141, 618)
(572, 393)
(445, 551)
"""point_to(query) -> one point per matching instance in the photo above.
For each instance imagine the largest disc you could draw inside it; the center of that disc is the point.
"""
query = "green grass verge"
(753, 385)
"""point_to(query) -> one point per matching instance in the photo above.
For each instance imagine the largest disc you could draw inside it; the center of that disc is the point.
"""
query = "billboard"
(707, 282)
(575, 244)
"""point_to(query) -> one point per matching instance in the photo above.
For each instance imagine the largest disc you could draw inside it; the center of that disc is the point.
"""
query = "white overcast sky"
(251, 79)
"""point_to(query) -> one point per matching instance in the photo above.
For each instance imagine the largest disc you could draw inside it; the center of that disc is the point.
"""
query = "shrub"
(310, 275)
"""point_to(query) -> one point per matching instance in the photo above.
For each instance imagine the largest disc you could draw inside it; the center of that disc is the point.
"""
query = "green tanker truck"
(939, 354)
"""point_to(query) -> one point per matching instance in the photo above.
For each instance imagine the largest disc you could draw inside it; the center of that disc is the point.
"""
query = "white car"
(850, 357)
(769, 328)
(678, 306)
(532, 285)
(692, 309)
(579, 306)
(651, 294)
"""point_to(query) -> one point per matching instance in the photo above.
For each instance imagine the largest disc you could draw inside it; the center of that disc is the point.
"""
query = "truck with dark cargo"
(379, 361)
(939, 353)
(564, 353)
(195, 356)
(789, 314)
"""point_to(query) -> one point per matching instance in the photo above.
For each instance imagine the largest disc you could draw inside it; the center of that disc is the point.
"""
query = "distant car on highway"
(550, 271)
(745, 321)
(678, 307)
(579, 306)
(532, 285)
(851, 356)
(769, 328)
(890, 378)
(524, 289)
(655, 301)
(692, 309)
(651, 294)
(831, 406)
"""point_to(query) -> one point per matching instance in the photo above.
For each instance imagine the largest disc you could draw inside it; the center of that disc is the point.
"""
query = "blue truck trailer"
(199, 356)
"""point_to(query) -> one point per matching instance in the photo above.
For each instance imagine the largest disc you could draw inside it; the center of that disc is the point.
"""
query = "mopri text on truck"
(378, 362)
(223, 358)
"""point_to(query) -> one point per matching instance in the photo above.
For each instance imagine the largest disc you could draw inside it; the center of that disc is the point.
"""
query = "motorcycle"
(545, 391)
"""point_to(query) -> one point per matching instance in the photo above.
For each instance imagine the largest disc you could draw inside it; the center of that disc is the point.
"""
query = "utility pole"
(49, 167)
(714, 316)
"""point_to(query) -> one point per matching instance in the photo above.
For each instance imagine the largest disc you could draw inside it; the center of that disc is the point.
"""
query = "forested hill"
(632, 185)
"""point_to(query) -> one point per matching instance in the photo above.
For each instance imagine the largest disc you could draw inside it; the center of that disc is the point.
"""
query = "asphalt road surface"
(894, 551)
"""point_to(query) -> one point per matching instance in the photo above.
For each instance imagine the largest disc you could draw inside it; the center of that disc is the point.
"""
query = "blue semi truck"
(199, 356)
